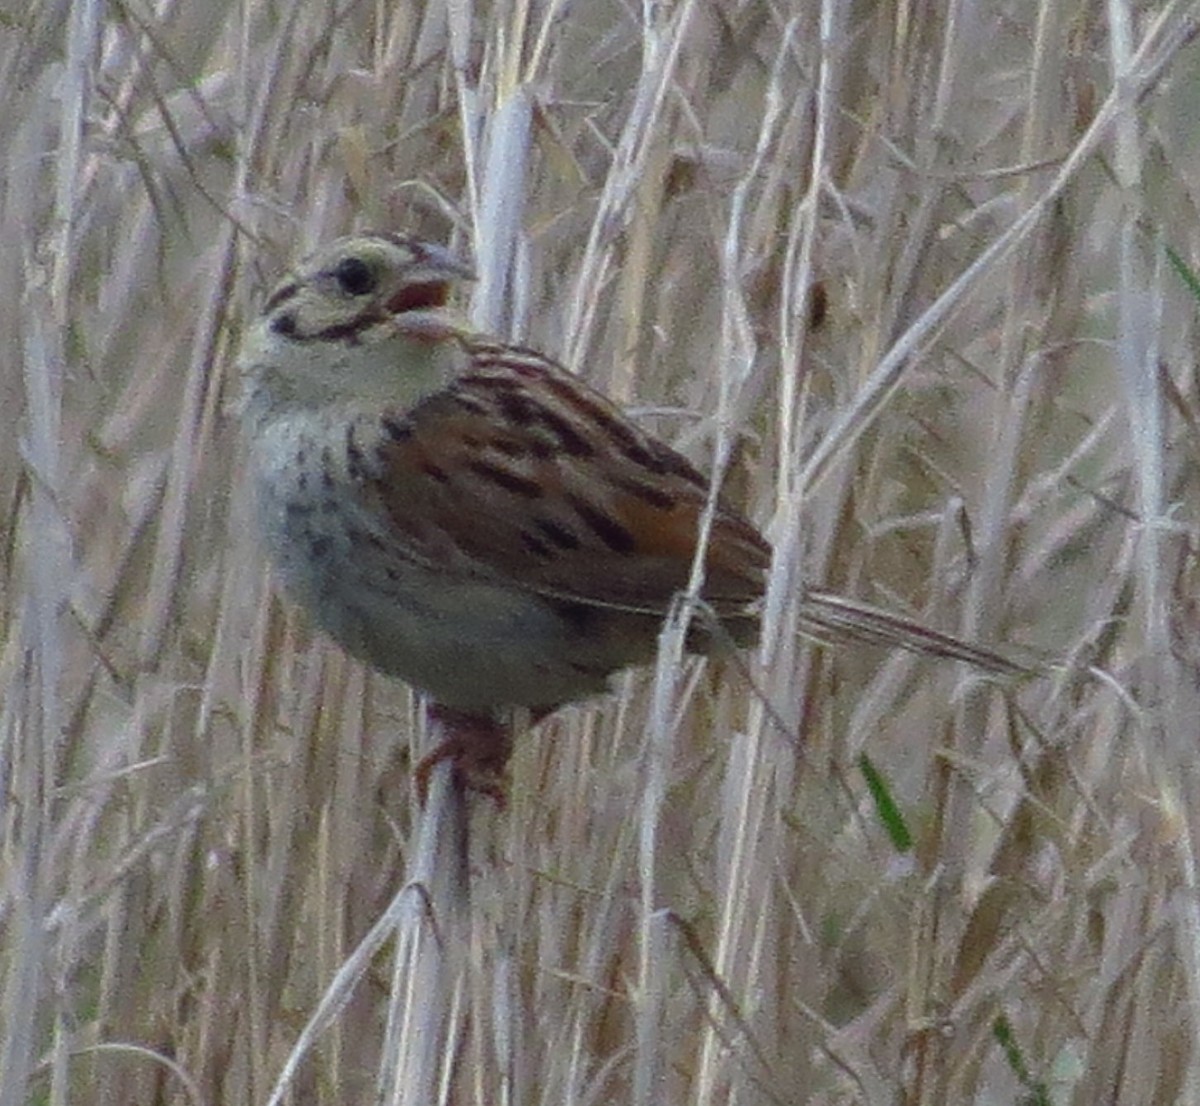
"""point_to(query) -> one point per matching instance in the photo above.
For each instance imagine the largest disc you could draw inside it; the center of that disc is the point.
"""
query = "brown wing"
(518, 471)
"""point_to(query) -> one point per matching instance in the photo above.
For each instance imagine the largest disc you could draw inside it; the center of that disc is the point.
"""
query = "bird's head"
(363, 319)
(358, 282)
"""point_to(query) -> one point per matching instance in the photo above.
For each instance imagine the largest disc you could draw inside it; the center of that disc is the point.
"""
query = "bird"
(469, 516)
(464, 513)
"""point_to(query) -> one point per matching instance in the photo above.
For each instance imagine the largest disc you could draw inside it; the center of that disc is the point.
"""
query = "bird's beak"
(438, 263)
(428, 280)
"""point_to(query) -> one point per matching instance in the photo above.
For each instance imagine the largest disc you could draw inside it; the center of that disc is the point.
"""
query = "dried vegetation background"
(918, 272)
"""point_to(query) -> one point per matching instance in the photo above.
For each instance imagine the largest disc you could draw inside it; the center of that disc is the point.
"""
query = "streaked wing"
(517, 471)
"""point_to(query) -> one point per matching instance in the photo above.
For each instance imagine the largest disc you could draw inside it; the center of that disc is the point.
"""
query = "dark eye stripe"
(347, 332)
(280, 296)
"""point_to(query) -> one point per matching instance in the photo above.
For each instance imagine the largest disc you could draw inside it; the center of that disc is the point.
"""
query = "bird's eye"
(355, 277)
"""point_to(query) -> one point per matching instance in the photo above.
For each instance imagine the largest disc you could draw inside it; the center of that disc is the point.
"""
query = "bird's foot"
(478, 748)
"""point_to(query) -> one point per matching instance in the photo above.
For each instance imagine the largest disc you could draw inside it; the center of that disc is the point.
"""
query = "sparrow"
(464, 513)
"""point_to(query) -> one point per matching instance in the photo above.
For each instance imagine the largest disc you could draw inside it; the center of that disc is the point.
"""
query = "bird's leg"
(478, 747)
